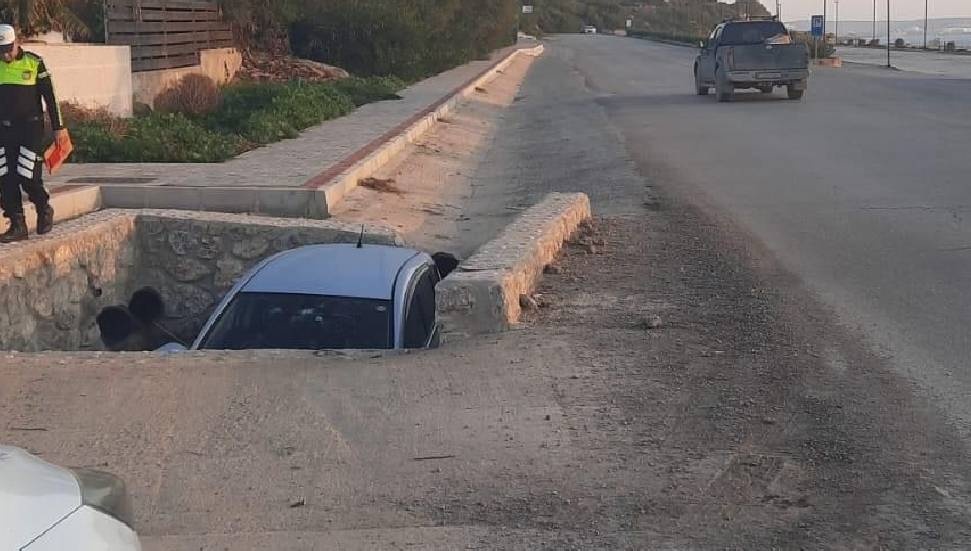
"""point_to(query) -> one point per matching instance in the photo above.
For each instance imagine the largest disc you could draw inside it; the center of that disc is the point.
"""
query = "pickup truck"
(751, 54)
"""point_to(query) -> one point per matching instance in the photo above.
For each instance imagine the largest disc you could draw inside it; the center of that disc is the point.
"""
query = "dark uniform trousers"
(22, 165)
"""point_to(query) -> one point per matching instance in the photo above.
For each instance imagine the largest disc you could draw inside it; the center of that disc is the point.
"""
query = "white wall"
(91, 75)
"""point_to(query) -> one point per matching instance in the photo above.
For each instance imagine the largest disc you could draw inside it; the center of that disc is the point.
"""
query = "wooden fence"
(165, 34)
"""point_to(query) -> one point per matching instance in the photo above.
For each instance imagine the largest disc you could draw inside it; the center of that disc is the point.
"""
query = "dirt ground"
(436, 200)
(675, 390)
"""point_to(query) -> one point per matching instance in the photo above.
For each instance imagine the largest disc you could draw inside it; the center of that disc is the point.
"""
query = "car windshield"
(301, 322)
(756, 32)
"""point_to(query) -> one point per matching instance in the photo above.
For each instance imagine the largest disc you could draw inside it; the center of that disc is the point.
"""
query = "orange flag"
(58, 152)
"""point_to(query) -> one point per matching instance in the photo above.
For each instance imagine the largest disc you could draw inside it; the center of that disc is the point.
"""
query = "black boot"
(45, 219)
(17, 230)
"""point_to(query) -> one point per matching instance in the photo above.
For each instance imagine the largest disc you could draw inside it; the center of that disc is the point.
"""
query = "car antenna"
(360, 240)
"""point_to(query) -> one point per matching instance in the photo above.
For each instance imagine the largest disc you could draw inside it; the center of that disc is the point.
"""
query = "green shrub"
(192, 95)
(267, 113)
(156, 138)
(818, 49)
(249, 115)
(362, 91)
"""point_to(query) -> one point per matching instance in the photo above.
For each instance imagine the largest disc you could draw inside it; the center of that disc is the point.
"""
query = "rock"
(552, 269)
(250, 248)
(228, 270)
(188, 269)
(209, 247)
(265, 67)
(654, 322)
(181, 242)
(527, 302)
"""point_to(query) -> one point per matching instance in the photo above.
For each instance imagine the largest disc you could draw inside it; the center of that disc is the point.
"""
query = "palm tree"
(38, 16)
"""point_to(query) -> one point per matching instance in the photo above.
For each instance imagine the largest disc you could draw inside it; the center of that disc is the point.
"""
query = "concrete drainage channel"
(53, 289)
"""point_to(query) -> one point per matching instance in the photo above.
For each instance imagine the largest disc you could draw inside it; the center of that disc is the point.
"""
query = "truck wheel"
(723, 88)
(765, 89)
(793, 93)
(701, 89)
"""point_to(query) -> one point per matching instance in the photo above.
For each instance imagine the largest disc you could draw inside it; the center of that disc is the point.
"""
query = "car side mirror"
(446, 263)
(701, 44)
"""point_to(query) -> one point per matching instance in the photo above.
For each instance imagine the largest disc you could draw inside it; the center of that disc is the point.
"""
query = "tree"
(406, 38)
(33, 17)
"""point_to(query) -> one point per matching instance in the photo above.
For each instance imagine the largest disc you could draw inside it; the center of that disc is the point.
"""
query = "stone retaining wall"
(51, 289)
(194, 258)
(482, 296)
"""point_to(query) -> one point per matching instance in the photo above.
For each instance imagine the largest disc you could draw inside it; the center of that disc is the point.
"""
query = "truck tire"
(700, 88)
(793, 93)
(765, 89)
(724, 89)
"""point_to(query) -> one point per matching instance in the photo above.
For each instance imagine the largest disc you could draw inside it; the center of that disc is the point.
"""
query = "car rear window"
(746, 34)
(269, 321)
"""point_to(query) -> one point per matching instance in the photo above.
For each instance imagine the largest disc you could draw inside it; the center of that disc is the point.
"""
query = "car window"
(711, 37)
(301, 322)
(420, 319)
(718, 33)
(747, 34)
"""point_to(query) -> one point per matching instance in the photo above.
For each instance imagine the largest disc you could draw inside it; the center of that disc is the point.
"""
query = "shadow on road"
(655, 100)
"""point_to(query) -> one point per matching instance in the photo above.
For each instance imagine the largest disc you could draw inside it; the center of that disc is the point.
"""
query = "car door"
(421, 324)
(706, 59)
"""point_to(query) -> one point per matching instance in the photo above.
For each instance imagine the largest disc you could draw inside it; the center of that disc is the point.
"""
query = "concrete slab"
(483, 296)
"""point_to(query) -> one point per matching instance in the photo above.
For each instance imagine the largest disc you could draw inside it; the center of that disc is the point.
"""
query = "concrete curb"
(665, 41)
(283, 202)
(344, 177)
(69, 202)
(482, 296)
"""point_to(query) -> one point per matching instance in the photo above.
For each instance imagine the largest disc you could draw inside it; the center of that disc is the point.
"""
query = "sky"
(793, 10)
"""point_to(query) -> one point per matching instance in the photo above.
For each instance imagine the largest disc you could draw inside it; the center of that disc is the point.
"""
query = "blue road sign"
(819, 26)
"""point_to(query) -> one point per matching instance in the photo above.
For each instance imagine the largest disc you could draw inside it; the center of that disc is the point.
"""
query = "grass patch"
(249, 115)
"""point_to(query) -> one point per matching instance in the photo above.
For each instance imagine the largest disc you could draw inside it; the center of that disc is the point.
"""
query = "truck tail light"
(731, 58)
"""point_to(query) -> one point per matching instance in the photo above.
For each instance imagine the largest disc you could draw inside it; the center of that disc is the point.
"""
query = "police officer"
(24, 84)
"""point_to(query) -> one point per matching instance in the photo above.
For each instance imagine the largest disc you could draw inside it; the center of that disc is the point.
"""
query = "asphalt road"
(861, 190)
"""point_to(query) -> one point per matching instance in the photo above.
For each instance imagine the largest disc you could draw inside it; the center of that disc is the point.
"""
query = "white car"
(47, 508)
(589, 29)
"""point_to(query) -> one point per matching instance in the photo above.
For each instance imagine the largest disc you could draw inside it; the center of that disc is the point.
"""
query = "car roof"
(334, 270)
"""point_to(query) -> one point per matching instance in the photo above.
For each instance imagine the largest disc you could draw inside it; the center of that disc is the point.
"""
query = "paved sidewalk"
(290, 163)
(932, 63)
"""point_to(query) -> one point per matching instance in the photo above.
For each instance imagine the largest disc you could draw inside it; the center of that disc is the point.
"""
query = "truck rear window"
(747, 34)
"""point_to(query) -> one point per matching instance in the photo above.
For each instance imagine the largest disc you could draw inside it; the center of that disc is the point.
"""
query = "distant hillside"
(692, 18)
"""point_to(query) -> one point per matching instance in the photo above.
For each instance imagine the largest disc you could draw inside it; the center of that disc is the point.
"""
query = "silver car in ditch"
(322, 297)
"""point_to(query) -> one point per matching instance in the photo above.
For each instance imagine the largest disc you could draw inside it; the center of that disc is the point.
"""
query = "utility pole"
(825, 2)
(925, 23)
(889, 66)
(874, 19)
(837, 21)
